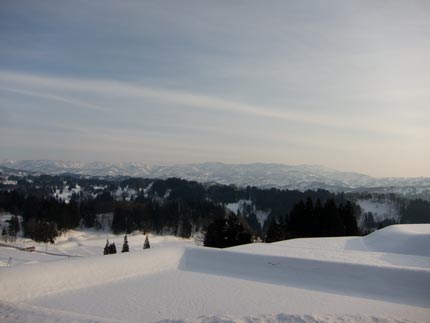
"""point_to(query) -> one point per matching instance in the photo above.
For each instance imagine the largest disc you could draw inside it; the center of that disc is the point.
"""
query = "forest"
(50, 205)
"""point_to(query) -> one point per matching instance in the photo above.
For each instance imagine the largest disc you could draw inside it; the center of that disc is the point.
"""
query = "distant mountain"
(301, 177)
(56, 167)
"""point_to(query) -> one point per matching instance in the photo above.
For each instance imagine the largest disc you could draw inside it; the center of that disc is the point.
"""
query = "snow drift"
(384, 276)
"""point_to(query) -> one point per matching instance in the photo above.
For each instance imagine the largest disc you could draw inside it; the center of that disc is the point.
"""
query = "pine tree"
(125, 247)
(146, 244)
(369, 221)
(4, 234)
(349, 220)
(106, 249)
(226, 232)
(275, 232)
(316, 218)
(253, 222)
(112, 248)
(296, 225)
(14, 225)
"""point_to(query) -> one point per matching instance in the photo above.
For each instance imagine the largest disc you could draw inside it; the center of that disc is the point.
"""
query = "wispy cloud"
(53, 97)
(330, 83)
(47, 87)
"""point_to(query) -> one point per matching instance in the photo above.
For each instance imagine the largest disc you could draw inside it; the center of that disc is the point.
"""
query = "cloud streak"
(53, 97)
(46, 87)
(330, 83)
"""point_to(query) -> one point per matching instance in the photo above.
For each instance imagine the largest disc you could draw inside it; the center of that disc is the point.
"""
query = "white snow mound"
(410, 239)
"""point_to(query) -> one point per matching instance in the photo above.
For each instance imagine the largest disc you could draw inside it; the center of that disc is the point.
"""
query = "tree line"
(181, 207)
(309, 219)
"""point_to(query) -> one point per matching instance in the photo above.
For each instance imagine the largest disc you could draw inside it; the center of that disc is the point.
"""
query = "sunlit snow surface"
(384, 277)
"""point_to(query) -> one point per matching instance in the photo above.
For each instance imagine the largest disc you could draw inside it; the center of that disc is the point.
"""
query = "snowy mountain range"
(301, 177)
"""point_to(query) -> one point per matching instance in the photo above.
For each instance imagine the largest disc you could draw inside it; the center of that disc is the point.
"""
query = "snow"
(167, 194)
(261, 216)
(234, 207)
(412, 239)
(99, 188)
(301, 177)
(381, 209)
(348, 279)
(4, 217)
(147, 189)
(124, 193)
(9, 182)
(247, 206)
(66, 193)
(88, 243)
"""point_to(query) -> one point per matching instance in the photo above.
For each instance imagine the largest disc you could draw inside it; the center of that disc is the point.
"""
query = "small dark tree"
(300, 221)
(125, 247)
(106, 249)
(146, 245)
(253, 222)
(122, 218)
(349, 220)
(14, 225)
(4, 234)
(369, 221)
(331, 221)
(184, 227)
(275, 232)
(112, 248)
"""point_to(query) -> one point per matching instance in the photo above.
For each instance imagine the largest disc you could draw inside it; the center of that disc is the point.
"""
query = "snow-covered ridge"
(301, 177)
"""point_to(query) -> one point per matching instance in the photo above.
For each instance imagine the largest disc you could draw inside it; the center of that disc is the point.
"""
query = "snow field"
(87, 243)
(302, 280)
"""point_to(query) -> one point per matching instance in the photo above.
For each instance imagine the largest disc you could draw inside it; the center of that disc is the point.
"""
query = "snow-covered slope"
(349, 279)
(380, 209)
(77, 244)
(301, 177)
(245, 208)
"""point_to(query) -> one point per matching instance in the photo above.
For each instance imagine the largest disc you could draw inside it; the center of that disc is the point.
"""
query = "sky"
(344, 84)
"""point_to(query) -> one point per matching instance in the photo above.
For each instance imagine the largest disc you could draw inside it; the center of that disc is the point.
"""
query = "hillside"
(300, 177)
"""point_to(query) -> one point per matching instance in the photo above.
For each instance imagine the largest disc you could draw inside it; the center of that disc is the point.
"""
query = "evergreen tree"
(112, 248)
(120, 218)
(349, 220)
(253, 222)
(275, 232)
(184, 227)
(41, 231)
(416, 211)
(331, 221)
(226, 232)
(125, 247)
(369, 221)
(296, 225)
(4, 234)
(14, 225)
(316, 218)
(106, 249)
(146, 245)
